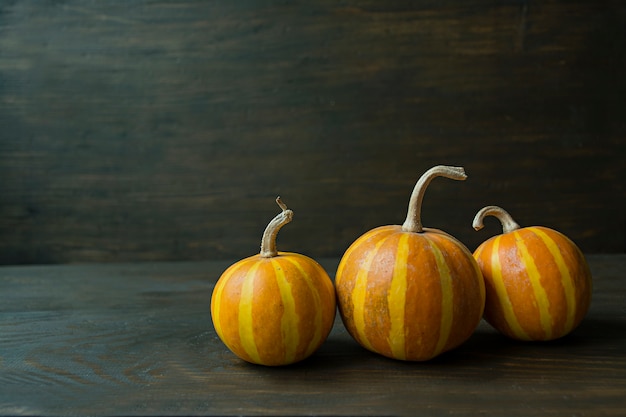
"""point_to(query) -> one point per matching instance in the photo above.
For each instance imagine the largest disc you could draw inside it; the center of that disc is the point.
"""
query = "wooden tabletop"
(137, 339)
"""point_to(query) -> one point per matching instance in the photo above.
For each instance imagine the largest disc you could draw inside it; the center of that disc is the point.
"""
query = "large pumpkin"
(537, 280)
(274, 308)
(409, 292)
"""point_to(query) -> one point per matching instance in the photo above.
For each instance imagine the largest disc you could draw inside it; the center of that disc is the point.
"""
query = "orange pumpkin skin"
(409, 296)
(537, 281)
(274, 311)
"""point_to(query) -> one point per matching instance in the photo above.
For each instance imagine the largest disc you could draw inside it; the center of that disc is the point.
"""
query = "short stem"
(508, 224)
(268, 242)
(413, 222)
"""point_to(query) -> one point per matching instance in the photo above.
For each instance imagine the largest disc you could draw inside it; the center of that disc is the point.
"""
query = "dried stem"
(268, 242)
(413, 222)
(508, 224)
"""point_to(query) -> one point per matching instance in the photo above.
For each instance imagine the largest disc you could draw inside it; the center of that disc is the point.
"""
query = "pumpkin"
(274, 308)
(409, 292)
(537, 280)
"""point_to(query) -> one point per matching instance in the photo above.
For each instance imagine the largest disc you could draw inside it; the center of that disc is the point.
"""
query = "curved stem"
(413, 222)
(508, 224)
(268, 242)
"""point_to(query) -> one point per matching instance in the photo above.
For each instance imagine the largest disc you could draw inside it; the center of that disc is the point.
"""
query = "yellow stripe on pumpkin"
(396, 299)
(359, 293)
(246, 329)
(505, 302)
(217, 298)
(318, 320)
(356, 245)
(479, 251)
(289, 320)
(447, 298)
(216, 307)
(543, 303)
(566, 277)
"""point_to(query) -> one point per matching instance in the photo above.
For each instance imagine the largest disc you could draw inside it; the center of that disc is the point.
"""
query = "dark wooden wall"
(163, 130)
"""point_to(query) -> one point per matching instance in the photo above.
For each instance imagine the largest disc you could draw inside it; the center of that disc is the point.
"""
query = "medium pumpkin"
(275, 308)
(537, 280)
(409, 292)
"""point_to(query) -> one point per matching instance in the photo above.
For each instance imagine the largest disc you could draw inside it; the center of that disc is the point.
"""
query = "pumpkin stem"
(508, 224)
(268, 242)
(413, 222)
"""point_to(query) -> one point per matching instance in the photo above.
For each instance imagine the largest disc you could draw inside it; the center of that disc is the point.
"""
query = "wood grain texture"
(137, 340)
(163, 130)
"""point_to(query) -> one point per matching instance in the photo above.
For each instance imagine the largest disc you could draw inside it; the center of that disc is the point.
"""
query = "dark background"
(164, 130)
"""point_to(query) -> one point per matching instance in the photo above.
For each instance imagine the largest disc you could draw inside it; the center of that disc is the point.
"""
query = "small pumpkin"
(274, 308)
(409, 292)
(537, 280)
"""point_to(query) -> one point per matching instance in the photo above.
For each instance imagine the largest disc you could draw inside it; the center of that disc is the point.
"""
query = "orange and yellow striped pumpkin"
(275, 308)
(537, 280)
(408, 292)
